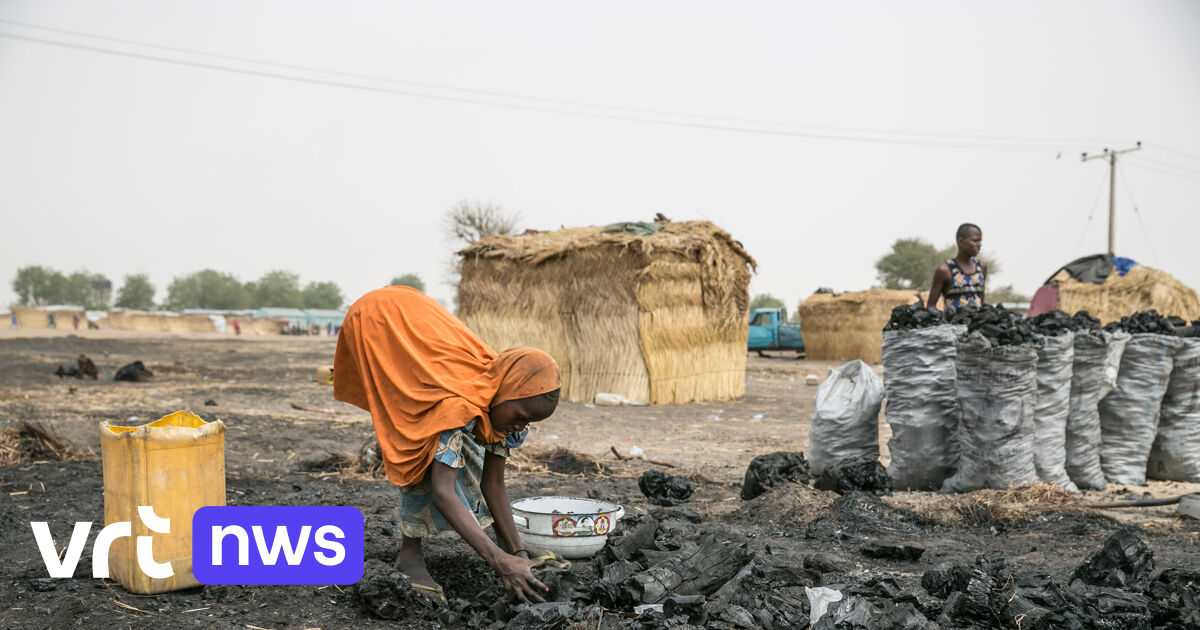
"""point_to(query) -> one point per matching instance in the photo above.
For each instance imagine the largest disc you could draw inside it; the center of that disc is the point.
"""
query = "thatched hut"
(847, 326)
(1140, 288)
(657, 318)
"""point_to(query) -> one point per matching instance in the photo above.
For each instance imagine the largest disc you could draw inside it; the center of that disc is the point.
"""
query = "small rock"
(42, 585)
(210, 403)
(905, 552)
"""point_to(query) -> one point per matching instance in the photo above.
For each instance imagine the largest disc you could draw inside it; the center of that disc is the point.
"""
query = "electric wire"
(1091, 213)
(1183, 170)
(510, 95)
(1177, 152)
(1137, 212)
(1154, 169)
(517, 106)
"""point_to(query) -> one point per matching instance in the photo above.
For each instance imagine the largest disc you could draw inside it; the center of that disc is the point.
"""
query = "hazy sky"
(123, 164)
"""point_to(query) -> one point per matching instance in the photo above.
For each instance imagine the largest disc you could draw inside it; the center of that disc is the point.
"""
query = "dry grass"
(30, 441)
(1141, 289)
(849, 325)
(982, 507)
(366, 465)
(658, 318)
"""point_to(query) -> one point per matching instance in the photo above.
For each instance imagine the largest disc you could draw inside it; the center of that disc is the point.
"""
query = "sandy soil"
(256, 381)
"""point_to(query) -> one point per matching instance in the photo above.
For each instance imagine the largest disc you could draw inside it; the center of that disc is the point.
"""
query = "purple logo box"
(277, 544)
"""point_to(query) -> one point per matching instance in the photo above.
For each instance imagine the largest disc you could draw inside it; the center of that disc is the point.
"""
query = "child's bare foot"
(411, 562)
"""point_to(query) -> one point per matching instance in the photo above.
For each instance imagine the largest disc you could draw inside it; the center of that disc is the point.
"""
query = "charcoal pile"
(914, 316)
(1001, 326)
(774, 469)
(1143, 322)
(1056, 323)
(83, 368)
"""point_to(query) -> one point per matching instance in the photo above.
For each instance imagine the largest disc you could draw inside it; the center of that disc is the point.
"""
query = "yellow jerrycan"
(176, 465)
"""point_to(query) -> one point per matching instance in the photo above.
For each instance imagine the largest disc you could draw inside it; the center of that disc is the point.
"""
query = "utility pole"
(1112, 187)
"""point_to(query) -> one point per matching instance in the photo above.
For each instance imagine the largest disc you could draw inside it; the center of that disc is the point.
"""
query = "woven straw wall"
(660, 318)
(850, 325)
(1142, 288)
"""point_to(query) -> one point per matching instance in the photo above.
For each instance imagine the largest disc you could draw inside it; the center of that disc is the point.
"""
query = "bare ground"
(256, 381)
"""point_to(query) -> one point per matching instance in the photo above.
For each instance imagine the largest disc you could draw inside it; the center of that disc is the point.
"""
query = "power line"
(1168, 165)
(1177, 152)
(1153, 169)
(1136, 211)
(1091, 213)
(510, 95)
(949, 139)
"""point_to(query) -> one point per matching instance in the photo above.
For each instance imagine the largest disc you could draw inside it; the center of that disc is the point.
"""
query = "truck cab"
(769, 330)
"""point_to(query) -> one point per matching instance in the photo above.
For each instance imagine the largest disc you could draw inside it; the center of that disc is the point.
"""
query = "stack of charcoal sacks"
(997, 390)
(1175, 455)
(1130, 413)
(919, 349)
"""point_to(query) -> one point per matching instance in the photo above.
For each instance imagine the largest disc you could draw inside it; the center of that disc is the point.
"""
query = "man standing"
(960, 280)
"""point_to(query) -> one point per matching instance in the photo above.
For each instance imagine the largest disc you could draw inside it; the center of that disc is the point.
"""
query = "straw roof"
(658, 318)
(1141, 288)
(847, 326)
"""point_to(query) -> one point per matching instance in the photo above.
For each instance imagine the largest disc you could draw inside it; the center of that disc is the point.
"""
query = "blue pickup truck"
(769, 330)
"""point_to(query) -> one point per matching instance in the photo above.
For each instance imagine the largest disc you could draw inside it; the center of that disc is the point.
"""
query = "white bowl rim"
(602, 507)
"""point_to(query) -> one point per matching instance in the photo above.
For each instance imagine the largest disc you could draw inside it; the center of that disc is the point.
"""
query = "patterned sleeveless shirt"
(964, 290)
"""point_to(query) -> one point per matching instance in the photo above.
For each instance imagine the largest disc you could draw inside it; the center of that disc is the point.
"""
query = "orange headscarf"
(420, 371)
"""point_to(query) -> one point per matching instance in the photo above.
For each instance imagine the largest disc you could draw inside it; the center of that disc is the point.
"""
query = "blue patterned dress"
(457, 448)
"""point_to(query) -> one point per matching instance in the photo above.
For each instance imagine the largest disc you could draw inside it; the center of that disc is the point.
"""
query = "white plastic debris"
(589, 405)
(638, 610)
(811, 379)
(819, 600)
(605, 399)
(757, 416)
(635, 450)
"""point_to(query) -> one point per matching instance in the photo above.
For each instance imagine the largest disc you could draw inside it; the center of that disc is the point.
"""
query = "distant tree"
(277, 288)
(408, 280)
(89, 290)
(136, 292)
(36, 285)
(912, 261)
(322, 295)
(910, 264)
(1005, 294)
(765, 300)
(207, 289)
(469, 221)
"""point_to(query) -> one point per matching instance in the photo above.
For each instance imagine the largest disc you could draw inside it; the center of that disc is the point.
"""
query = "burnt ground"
(270, 447)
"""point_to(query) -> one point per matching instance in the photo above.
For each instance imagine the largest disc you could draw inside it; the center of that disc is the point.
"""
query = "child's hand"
(517, 574)
(550, 558)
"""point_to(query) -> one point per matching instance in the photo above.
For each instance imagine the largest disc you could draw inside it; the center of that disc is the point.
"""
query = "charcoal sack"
(845, 424)
(1055, 360)
(1112, 360)
(922, 405)
(1175, 455)
(1129, 413)
(1083, 419)
(997, 390)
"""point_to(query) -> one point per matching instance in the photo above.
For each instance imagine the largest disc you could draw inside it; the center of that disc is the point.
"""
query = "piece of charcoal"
(663, 489)
(135, 372)
(1123, 562)
(861, 474)
(774, 469)
(904, 552)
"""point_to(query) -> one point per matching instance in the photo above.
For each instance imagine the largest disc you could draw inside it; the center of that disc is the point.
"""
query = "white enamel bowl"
(570, 527)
